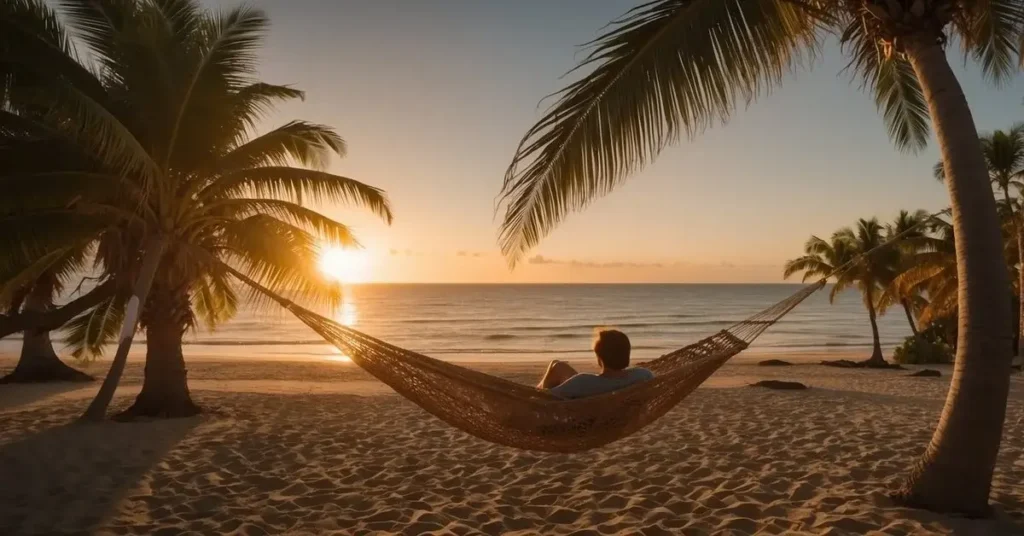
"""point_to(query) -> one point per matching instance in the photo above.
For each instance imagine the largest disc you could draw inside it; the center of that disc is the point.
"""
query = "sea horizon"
(538, 321)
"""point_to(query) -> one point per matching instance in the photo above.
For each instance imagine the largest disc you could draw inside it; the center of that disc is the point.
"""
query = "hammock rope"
(515, 415)
(520, 416)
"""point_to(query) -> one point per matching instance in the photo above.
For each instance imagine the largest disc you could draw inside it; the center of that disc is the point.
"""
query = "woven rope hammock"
(512, 414)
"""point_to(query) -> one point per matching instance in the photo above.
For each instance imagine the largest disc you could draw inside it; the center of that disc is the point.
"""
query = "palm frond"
(666, 69)
(838, 287)
(812, 267)
(898, 94)
(293, 213)
(213, 298)
(989, 31)
(96, 129)
(88, 334)
(254, 102)
(182, 17)
(98, 24)
(299, 185)
(227, 57)
(35, 44)
(300, 142)
(34, 270)
(280, 256)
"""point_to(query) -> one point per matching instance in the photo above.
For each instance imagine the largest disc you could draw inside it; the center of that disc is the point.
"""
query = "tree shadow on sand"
(14, 395)
(69, 478)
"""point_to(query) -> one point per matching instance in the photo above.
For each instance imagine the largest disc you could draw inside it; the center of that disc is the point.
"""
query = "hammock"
(523, 417)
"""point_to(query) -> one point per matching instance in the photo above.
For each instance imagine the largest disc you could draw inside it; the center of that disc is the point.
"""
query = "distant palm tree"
(1004, 158)
(931, 271)
(907, 234)
(176, 184)
(669, 69)
(862, 263)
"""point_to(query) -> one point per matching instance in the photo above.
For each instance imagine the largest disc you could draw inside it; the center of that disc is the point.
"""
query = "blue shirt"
(584, 385)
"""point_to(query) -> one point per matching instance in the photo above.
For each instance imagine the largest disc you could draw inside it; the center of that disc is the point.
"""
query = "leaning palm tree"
(669, 69)
(856, 258)
(181, 187)
(38, 362)
(906, 233)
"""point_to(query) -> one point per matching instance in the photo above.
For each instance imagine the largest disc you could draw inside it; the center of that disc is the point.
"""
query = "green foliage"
(158, 137)
(925, 349)
(853, 257)
(669, 69)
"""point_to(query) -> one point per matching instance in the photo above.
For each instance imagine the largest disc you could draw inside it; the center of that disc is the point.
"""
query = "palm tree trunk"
(165, 391)
(955, 472)
(910, 316)
(154, 250)
(55, 318)
(876, 359)
(38, 362)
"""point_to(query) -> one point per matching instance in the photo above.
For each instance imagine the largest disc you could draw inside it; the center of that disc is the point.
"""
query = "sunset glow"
(345, 265)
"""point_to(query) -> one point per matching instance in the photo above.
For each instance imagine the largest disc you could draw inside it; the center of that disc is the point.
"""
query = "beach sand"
(320, 447)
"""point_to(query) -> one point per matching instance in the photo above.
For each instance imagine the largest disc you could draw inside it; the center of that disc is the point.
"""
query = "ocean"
(530, 322)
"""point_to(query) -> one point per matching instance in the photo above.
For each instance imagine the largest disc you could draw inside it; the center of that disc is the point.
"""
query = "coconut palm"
(177, 185)
(906, 233)
(931, 270)
(19, 142)
(670, 69)
(38, 362)
(861, 261)
(1004, 158)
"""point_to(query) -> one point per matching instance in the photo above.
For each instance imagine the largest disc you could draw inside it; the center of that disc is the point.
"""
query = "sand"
(320, 448)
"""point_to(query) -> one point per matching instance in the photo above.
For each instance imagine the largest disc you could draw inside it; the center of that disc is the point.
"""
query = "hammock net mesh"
(523, 417)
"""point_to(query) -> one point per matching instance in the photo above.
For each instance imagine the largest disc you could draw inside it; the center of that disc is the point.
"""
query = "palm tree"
(931, 270)
(19, 142)
(176, 186)
(38, 362)
(855, 258)
(1004, 157)
(906, 233)
(672, 68)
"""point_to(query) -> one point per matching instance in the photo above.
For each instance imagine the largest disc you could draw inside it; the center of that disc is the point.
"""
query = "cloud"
(540, 259)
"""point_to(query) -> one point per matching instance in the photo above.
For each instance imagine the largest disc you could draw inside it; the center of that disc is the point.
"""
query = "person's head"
(612, 349)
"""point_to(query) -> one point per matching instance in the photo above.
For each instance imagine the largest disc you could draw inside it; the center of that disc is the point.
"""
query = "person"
(612, 348)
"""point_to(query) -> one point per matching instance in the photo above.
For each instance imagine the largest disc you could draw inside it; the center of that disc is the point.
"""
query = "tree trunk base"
(49, 370)
(156, 408)
(907, 498)
(870, 363)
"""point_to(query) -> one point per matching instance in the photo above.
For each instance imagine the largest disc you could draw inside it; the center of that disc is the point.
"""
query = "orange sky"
(433, 97)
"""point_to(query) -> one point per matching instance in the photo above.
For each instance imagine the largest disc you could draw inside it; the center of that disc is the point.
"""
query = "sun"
(345, 265)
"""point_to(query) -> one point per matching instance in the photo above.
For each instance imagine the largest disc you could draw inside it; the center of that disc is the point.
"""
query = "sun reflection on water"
(347, 315)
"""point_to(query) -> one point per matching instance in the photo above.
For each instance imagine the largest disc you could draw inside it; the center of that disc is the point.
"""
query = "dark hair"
(612, 346)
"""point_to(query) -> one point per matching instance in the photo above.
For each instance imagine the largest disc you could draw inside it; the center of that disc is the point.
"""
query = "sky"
(433, 97)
